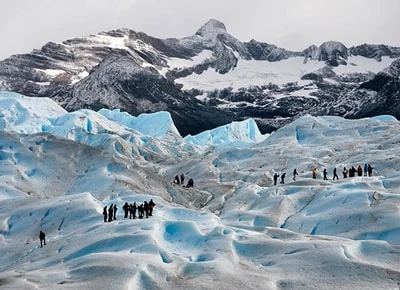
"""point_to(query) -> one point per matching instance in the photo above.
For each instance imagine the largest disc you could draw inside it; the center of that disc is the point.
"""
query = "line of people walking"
(145, 209)
(352, 172)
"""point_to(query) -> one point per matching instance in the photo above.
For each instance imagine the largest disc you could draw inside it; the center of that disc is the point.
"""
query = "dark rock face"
(386, 86)
(375, 51)
(332, 52)
(265, 51)
(137, 90)
(132, 71)
(394, 68)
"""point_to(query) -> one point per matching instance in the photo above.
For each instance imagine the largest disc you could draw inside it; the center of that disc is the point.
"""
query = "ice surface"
(233, 230)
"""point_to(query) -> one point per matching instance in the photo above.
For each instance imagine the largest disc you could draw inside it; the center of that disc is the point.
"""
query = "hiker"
(146, 208)
(365, 169)
(176, 180)
(126, 209)
(294, 174)
(359, 170)
(352, 171)
(110, 213)
(335, 174)
(42, 237)
(115, 211)
(105, 213)
(132, 211)
(276, 175)
(325, 173)
(345, 172)
(283, 178)
(182, 179)
(151, 206)
(140, 211)
(370, 168)
(314, 173)
(190, 183)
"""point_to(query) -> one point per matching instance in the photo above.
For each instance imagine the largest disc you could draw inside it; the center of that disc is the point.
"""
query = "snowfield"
(252, 73)
(233, 230)
(249, 73)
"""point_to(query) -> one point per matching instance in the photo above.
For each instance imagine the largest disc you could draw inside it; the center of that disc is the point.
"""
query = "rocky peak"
(394, 68)
(265, 51)
(309, 52)
(211, 29)
(375, 51)
(332, 52)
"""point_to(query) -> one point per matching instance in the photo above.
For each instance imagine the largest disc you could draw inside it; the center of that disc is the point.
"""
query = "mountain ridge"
(134, 72)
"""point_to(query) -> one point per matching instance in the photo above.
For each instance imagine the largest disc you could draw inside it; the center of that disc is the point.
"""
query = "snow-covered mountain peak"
(211, 29)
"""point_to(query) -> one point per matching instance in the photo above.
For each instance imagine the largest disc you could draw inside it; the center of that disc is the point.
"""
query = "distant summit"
(211, 29)
(333, 53)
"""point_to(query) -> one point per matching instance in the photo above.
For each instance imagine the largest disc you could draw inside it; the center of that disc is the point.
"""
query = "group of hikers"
(181, 181)
(145, 209)
(352, 172)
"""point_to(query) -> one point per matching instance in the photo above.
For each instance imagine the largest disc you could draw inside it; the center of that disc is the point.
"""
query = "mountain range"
(210, 78)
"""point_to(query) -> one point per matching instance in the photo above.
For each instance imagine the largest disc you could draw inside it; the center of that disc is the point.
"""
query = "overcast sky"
(291, 24)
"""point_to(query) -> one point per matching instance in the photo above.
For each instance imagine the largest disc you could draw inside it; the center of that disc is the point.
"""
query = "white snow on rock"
(252, 73)
(357, 64)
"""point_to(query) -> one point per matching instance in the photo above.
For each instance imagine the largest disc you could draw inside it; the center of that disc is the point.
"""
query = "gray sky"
(291, 24)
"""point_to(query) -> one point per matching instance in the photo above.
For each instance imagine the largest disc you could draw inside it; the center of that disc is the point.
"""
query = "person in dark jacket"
(125, 207)
(370, 168)
(276, 175)
(177, 180)
(151, 206)
(283, 178)
(132, 211)
(352, 171)
(115, 212)
(325, 173)
(42, 237)
(105, 213)
(335, 176)
(140, 211)
(146, 208)
(190, 183)
(182, 179)
(110, 213)
(345, 172)
(294, 174)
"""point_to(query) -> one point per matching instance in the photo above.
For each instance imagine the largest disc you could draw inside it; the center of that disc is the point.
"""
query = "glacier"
(233, 230)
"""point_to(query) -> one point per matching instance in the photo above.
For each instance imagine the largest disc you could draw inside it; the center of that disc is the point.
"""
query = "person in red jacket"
(359, 170)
